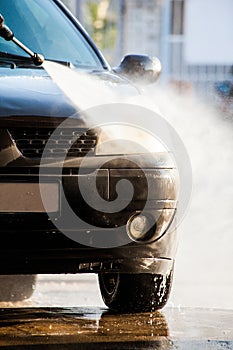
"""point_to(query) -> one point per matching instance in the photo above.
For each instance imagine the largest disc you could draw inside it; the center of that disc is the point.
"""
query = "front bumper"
(31, 243)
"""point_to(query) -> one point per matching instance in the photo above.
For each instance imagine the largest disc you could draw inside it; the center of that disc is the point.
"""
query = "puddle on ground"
(96, 328)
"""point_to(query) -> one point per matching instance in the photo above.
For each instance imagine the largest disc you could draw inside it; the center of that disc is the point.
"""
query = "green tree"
(101, 21)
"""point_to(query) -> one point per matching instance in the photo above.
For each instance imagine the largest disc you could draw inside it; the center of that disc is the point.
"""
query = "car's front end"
(43, 163)
(60, 177)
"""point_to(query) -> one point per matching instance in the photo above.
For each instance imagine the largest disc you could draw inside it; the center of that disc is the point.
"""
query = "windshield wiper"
(14, 61)
(8, 35)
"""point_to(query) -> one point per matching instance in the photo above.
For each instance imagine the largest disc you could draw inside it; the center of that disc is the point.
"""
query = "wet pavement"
(97, 328)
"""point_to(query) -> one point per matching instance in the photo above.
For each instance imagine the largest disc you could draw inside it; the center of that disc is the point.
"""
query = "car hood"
(32, 92)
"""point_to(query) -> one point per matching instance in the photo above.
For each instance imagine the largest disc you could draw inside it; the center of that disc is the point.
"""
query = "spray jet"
(8, 35)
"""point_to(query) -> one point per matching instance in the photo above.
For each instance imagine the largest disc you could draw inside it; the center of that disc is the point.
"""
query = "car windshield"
(45, 29)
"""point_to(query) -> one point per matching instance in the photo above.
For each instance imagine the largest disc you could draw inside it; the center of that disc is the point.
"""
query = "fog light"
(140, 227)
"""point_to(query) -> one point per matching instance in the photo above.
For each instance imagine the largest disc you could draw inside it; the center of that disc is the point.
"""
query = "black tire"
(135, 292)
(16, 287)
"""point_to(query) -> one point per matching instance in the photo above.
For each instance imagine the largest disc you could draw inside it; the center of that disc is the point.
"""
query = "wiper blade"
(7, 55)
(14, 61)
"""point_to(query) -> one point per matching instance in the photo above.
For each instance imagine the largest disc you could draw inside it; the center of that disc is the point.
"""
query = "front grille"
(31, 142)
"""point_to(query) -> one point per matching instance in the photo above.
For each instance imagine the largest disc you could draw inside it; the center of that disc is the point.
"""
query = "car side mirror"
(141, 69)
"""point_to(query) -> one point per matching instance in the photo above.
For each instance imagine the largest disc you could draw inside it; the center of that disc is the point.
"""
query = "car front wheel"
(16, 287)
(135, 292)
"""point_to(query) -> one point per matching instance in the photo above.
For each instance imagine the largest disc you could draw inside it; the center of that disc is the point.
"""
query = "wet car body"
(35, 229)
(32, 107)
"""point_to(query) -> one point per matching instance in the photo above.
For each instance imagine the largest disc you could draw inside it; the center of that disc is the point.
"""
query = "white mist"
(203, 273)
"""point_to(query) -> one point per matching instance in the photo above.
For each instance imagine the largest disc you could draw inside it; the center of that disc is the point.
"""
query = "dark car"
(50, 148)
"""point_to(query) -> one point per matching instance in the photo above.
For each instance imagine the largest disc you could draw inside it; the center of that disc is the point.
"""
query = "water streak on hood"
(32, 92)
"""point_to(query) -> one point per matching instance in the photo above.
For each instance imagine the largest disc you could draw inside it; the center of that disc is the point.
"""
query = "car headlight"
(124, 139)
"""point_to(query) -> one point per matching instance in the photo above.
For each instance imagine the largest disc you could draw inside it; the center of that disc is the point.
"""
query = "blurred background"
(192, 38)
